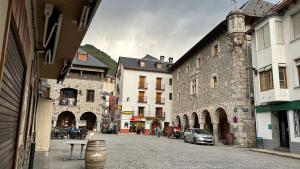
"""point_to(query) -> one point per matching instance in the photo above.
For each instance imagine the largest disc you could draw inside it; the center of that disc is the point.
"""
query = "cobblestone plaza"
(149, 152)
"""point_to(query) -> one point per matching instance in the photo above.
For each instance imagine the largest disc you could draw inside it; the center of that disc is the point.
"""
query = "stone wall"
(82, 106)
(231, 93)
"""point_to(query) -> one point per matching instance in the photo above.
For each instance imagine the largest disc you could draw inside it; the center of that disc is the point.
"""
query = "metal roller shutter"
(10, 102)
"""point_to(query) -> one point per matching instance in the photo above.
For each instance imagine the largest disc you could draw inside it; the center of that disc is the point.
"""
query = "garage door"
(10, 102)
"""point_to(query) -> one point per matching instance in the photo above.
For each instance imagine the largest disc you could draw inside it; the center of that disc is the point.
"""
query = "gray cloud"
(134, 28)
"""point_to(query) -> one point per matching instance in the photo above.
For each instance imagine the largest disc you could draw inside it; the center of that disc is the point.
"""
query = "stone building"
(212, 82)
(79, 99)
(275, 50)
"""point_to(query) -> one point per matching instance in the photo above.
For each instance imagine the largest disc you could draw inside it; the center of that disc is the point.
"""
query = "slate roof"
(256, 8)
(91, 62)
(150, 64)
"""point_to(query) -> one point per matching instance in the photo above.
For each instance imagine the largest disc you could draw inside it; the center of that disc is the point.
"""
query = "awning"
(278, 107)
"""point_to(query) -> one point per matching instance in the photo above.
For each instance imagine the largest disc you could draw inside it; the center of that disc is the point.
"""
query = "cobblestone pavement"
(147, 152)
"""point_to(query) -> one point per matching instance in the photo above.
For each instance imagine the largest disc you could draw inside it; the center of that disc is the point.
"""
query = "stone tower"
(244, 122)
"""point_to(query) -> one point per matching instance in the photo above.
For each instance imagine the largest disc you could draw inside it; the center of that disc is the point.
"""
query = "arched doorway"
(88, 120)
(155, 123)
(66, 119)
(207, 125)
(178, 121)
(195, 120)
(185, 122)
(223, 123)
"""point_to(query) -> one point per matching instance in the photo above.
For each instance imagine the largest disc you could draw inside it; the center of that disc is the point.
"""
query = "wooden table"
(76, 142)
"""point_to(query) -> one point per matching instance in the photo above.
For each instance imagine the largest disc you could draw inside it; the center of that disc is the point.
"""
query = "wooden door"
(158, 97)
(141, 96)
(158, 83)
(142, 82)
(10, 101)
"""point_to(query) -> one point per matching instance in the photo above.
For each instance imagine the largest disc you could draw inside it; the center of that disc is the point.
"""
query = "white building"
(144, 94)
(276, 60)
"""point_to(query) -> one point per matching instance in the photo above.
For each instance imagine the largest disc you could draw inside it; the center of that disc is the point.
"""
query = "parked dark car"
(174, 132)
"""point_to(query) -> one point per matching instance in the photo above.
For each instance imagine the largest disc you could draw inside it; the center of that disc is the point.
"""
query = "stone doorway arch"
(66, 119)
(155, 123)
(186, 124)
(89, 118)
(195, 120)
(207, 121)
(224, 127)
(178, 121)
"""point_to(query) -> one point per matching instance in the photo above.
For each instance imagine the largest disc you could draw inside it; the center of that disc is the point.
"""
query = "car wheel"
(185, 139)
(194, 141)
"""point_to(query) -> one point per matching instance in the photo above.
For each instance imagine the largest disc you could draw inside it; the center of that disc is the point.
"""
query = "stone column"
(54, 123)
(216, 132)
(202, 125)
(98, 126)
(191, 122)
(77, 123)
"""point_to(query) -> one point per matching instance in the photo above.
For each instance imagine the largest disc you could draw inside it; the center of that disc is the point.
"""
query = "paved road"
(147, 152)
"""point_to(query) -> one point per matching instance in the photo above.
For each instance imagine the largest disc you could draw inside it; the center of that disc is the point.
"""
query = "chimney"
(162, 58)
(170, 60)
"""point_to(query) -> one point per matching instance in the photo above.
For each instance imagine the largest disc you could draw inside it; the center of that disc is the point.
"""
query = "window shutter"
(267, 40)
(260, 39)
(296, 25)
(279, 32)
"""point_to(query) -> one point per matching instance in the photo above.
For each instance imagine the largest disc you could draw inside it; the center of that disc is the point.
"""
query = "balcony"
(159, 100)
(140, 115)
(67, 102)
(143, 85)
(158, 115)
(142, 99)
(160, 87)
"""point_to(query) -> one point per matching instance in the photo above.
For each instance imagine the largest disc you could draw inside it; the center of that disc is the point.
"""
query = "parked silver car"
(198, 136)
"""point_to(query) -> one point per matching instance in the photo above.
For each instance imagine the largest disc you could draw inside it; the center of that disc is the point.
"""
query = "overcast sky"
(134, 28)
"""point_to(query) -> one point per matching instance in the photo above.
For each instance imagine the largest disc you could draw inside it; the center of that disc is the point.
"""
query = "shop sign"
(127, 112)
(137, 119)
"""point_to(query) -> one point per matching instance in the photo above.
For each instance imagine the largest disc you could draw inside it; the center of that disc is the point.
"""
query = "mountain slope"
(103, 57)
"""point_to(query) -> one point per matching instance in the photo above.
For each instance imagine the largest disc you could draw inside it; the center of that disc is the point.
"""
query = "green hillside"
(103, 57)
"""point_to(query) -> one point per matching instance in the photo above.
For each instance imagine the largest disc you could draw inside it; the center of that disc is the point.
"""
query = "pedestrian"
(72, 131)
(156, 131)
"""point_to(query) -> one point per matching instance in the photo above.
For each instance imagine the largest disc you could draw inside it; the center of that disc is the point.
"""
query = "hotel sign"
(127, 112)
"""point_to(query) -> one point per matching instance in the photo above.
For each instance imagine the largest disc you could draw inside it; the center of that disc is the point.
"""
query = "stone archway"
(207, 125)
(178, 121)
(186, 124)
(88, 120)
(195, 120)
(224, 127)
(66, 119)
(155, 123)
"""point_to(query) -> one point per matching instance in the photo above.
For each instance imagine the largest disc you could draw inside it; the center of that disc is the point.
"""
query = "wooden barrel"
(95, 154)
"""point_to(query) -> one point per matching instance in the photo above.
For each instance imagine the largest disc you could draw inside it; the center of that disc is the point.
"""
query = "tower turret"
(236, 27)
